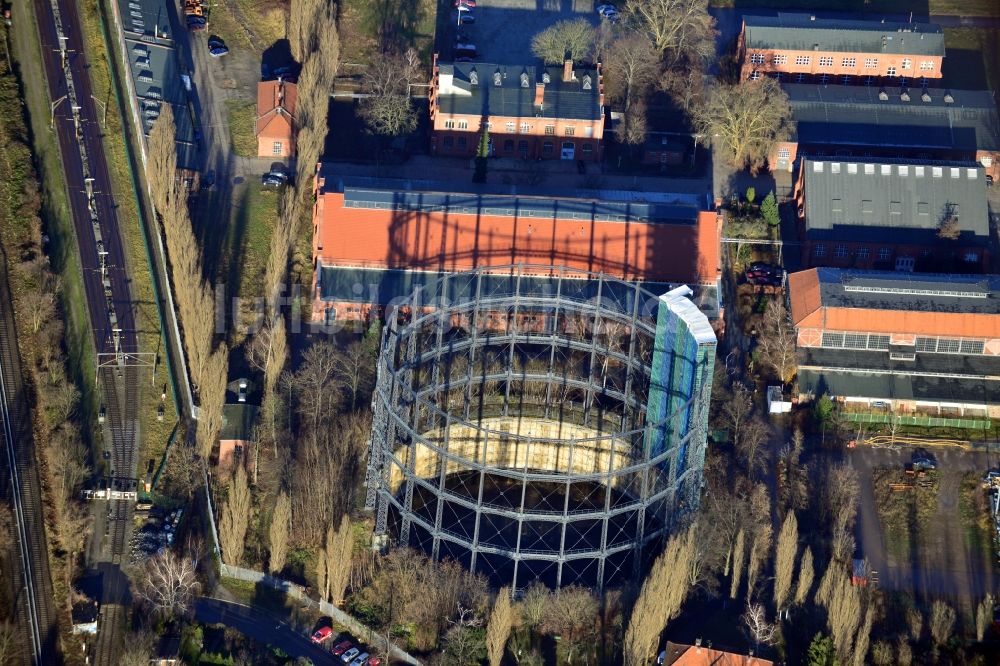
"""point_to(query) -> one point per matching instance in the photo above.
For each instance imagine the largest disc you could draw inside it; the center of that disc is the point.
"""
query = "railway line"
(35, 601)
(76, 122)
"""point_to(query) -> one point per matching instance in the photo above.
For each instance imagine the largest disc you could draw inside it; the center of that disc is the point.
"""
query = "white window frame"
(871, 63)
(779, 59)
(784, 153)
(449, 124)
(757, 58)
(826, 61)
(849, 62)
(510, 127)
(463, 124)
(803, 60)
(906, 64)
(890, 71)
(926, 65)
(525, 128)
(884, 253)
(277, 148)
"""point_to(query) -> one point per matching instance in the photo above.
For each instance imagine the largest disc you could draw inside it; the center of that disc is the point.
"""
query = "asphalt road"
(262, 627)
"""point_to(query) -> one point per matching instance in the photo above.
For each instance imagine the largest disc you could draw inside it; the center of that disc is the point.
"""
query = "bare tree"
(339, 545)
(573, 39)
(777, 343)
(737, 411)
(984, 615)
(904, 653)
(864, 637)
(631, 131)
(138, 649)
(681, 28)
(532, 605)
(784, 560)
(322, 584)
(843, 604)
(793, 481)
(235, 518)
(942, 622)
(169, 584)
(761, 631)
(278, 533)
(915, 624)
(751, 445)
(806, 575)
(355, 368)
(498, 629)
(631, 65)
(882, 653)
(660, 599)
(388, 110)
(745, 121)
(8, 644)
(571, 613)
(739, 556)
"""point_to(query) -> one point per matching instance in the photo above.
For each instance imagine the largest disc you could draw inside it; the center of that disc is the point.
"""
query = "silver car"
(349, 655)
(360, 660)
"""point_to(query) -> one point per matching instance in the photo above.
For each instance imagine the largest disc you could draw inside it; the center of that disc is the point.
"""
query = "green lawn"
(241, 116)
(154, 434)
(222, 23)
(943, 7)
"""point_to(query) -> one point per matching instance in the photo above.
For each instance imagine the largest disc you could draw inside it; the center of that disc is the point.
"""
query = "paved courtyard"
(503, 29)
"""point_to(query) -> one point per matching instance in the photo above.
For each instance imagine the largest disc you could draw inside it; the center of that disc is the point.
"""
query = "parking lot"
(503, 29)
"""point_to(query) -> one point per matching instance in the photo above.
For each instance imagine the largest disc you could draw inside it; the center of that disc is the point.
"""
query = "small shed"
(776, 403)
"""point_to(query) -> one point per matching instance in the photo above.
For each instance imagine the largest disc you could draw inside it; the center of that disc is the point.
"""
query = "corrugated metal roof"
(562, 99)
(856, 116)
(880, 196)
(894, 290)
(900, 385)
(800, 32)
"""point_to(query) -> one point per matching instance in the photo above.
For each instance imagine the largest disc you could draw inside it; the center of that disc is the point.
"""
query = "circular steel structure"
(537, 423)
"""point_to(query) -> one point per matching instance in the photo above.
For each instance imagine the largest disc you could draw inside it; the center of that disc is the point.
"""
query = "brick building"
(801, 48)
(927, 343)
(531, 112)
(376, 241)
(890, 215)
(275, 126)
(865, 121)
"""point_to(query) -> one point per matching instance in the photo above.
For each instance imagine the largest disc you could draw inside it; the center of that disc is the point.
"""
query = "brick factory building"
(376, 241)
(275, 126)
(867, 121)
(531, 112)
(924, 343)
(801, 48)
(893, 215)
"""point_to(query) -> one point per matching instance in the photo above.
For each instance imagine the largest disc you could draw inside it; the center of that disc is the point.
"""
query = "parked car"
(360, 659)
(214, 41)
(322, 634)
(464, 8)
(467, 3)
(272, 180)
(349, 656)
(467, 18)
(925, 464)
(342, 647)
(374, 661)
(218, 51)
(603, 9)
(763, 273)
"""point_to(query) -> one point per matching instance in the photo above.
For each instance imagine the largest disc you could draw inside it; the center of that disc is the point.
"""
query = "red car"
(322, 634)
(375, 661)
(341, 648)
(467, 3)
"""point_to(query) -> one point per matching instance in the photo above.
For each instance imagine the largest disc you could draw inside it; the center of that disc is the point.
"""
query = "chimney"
(568, 70)
(281, 93)
(539, 94)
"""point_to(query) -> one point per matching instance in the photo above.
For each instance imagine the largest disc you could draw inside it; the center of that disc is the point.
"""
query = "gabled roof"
(275, 107)
(562, 99)
(802, 32)
(896, 302)
(697, 655)
(869, 199)
(857, 116)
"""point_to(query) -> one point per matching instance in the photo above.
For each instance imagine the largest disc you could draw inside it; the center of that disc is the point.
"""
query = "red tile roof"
(275, 108)
(692, 655)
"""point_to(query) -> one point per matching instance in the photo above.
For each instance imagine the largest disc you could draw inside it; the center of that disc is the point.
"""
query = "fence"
(296, 592)
(926, 421)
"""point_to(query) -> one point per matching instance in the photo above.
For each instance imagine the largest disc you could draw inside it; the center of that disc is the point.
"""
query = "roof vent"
(883, 95)
(546, 78)
(586, 82)
(497, 79)
(524, 79)
(948, 99)
(474, 77)
(815, 47)
(905, 96)
(925, 97)
(812, 17)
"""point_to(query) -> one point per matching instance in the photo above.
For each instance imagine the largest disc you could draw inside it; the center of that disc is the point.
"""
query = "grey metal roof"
(155, 70)
(913, 292)
(856, 116)
(844, 373)
(872, 197)
(801, 32)
(238, 420)
(562, 99)
(381, 285)
(520, 205)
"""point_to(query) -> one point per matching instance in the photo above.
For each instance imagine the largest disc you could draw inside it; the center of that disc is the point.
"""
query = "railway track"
(105, 281)
(35, 600)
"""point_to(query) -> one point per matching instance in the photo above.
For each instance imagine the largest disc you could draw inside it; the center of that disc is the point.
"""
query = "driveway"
(947, 565)
(261, 627)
